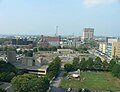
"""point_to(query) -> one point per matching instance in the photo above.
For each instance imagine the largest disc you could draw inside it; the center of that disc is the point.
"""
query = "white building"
(102, 47)
(88, 33)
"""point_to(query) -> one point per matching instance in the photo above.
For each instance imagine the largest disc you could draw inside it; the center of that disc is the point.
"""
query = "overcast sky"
(42, 16)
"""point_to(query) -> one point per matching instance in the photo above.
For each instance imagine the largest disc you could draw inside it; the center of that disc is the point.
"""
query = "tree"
(53, 48)
(54, 68)
(76, 63)
(111, 64)
(35, 49)
(116, 70)
(90, 63)
(83, 64)
(68, 67)
(97, 63)
(105, 65)
(2, 90)
(30, 83)
(29, 53)
(7, 71)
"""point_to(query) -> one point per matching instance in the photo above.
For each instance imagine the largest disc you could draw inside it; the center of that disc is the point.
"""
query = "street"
(6, 86)
(56, 82)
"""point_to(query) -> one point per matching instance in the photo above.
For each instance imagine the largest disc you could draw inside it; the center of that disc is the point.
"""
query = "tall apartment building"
(116, 49)
(88, 33)
(111, 46)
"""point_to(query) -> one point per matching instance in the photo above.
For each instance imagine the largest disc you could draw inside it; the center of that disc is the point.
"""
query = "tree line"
(90, 64)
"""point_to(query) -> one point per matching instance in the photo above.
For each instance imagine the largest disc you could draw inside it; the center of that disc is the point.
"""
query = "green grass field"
(93, 81)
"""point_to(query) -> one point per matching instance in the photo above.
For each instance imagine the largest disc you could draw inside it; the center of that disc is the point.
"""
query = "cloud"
(93, 3)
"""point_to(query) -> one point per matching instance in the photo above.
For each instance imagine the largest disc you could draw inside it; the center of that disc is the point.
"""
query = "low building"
(65, 51)
(35, 66)
(21, 41)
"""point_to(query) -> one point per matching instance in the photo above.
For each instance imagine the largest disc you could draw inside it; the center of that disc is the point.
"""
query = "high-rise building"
(88, 33)
(111, 48)
(116, 49)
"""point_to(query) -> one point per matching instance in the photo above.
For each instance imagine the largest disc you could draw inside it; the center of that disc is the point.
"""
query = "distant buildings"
(88, 33)
(65, 51)
(111, 47)
(102, 47)
(21, 41)
(48, 41)
(70, 42)
(116, 49)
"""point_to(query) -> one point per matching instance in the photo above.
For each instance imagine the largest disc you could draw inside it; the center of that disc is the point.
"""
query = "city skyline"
(41, 17)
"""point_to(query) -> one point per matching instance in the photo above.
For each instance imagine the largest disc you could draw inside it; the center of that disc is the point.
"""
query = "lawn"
(93, 81)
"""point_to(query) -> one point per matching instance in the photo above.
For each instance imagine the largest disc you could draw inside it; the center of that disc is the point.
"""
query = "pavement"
(56, 82)
(6, 86)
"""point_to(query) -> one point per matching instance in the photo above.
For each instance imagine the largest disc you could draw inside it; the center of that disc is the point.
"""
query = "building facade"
(102, 47)
(111, 46)
(88, 33)
(116, 49)
(48, 41)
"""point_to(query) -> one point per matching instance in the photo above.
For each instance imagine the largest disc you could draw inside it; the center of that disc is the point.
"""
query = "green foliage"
(68, 67)
(7, 48)
(90, 63)
(2, 90)
(112, 63)
(116, 70)
(53, 48)
(76, 63)
(105, 65)
(83, 64)
(30, 83)
(54, 68)
(29, 53)
(97, 63)
(7, 71)
(82, 49)
(35, 49)
(91, 43)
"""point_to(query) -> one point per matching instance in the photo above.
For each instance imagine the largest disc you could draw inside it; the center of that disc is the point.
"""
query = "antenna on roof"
(56, 34)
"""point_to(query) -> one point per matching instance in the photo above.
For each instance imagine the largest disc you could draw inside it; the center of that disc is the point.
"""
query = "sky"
(40, 17)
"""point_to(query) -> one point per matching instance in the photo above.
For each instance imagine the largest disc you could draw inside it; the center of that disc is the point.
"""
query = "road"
(6, 86)
(56, 82)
